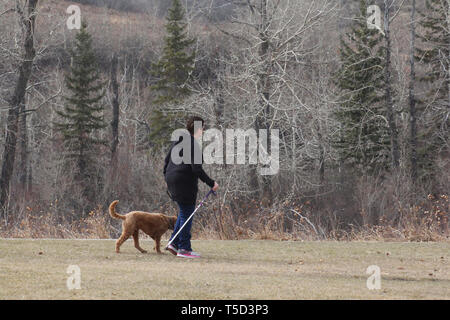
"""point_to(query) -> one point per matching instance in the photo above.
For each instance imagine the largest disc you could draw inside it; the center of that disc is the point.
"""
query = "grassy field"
(37, 269)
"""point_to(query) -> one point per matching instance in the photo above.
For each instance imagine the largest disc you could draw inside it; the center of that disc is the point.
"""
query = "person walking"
(182, 184)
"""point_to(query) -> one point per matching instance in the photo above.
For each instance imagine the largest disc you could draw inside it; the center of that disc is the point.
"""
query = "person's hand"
(216, 186)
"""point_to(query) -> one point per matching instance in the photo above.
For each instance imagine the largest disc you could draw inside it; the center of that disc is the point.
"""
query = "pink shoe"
(172, 249)
(187, 254)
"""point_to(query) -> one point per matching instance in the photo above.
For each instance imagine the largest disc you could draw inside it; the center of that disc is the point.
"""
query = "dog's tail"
(112, 211)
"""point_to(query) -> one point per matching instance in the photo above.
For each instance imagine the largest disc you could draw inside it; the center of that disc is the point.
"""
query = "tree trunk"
(388, 89)
(115, 108)
(23, 155)
(412, 100)
(17, 101)
(321, 162)
(448, 57)
(111, 184)
(30, 177)
(264, 91)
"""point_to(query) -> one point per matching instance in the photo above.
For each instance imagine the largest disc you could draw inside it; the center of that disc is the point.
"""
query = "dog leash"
(201, 203)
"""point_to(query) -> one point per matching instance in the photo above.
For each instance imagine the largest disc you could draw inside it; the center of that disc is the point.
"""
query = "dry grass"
(36, 269)
(418, 223)
(96, 225)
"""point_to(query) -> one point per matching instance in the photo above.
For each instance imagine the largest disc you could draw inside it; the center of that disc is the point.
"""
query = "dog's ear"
(169, 221)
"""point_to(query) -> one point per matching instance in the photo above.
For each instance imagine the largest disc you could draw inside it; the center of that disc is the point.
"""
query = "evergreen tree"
(82, 114)
(172, 73)
(435, 105)
(364, 139)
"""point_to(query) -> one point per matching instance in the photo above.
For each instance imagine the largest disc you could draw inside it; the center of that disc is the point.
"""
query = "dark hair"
(191, 121)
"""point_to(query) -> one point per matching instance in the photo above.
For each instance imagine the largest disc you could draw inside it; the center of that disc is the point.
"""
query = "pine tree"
(172, 73)
(364, 139)
(434, 107)
(82, 114)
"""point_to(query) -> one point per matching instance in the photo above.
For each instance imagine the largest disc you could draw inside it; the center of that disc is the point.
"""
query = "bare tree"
(23, 155)
(114, 86)
(273, 41)
(390, 112)
(17, 100)
(412, 99)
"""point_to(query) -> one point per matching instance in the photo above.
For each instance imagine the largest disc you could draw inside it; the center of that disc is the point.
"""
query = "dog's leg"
(158, 244)
(154, 248)
(136, 241)
(122, 239)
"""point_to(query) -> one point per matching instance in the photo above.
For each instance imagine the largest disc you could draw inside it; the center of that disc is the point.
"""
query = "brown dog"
(153, 224)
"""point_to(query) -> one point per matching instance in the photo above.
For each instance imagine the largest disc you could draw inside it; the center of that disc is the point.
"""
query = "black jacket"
(182, 179)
